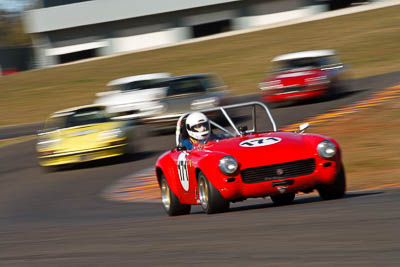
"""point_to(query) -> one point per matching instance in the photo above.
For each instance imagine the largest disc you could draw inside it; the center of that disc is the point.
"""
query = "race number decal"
(262, 141)
(183, 170)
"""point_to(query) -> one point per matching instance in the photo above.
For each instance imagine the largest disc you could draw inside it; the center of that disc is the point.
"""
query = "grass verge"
(240, 60)
(370, 144)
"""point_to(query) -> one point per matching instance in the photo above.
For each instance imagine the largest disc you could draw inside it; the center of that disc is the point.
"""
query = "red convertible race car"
(249, 161)
(304, 75)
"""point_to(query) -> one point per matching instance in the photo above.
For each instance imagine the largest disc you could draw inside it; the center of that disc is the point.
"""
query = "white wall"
(95, 12)
(148, 40)
(262, 20)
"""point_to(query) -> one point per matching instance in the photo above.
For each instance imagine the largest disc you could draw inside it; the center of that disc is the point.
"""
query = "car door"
(184, 176)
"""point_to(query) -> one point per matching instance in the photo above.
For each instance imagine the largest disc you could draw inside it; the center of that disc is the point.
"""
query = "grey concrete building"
(68, 30)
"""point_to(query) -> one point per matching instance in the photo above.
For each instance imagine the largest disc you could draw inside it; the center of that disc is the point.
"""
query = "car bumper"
(324, 173)
(294, 95)
(82, 156)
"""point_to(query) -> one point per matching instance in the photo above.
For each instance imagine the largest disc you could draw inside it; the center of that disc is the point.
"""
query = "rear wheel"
(171, 202)
(283, 199)
(211, 199)
(335, 190)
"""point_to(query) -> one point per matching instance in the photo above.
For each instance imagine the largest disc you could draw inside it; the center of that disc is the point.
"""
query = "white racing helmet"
(198, 126)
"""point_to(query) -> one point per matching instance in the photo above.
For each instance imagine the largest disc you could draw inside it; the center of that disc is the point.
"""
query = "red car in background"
(5, 72)
(304, 75)
(252, 161)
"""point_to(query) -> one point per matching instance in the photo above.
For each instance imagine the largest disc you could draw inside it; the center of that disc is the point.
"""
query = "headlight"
(46, 143)
(275, 84)
(204, 103)
(326, 149)
(228, 165)
(114, 133)
(317, 80)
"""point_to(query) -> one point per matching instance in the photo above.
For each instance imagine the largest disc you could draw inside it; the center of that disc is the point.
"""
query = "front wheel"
(171, 202)
(283, 199)
(50, 169)
(335, 190)
(211, 199)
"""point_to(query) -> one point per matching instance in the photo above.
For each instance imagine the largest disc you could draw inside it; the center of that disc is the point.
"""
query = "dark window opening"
(211, 28)
(77, 56)
(185, 86)
(337, 4)
(51, 3)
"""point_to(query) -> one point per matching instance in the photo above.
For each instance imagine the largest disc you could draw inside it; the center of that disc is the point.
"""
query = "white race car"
(133, 97)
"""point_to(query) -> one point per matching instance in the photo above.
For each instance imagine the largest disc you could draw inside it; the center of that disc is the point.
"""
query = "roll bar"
(223, 110)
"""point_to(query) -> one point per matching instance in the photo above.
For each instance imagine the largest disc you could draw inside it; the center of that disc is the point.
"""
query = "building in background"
(68, 30)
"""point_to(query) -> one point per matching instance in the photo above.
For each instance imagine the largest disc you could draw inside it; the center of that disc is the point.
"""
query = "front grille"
(293, 88)
(278, 171)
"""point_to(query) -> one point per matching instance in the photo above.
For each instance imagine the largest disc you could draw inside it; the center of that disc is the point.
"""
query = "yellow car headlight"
(110, 134)
(46, 143)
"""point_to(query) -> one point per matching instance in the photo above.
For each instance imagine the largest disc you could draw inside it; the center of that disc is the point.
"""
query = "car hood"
(81, 137)
(264, 149)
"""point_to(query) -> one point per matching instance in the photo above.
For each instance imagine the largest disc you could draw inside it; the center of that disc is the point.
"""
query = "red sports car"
(249, 162)
(304, 75)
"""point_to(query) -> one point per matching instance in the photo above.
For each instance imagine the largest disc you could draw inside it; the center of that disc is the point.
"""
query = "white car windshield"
(304, 63)
(139, 85)
(301, 63)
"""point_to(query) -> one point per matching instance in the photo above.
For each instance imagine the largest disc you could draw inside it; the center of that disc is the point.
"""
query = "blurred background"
(41, 33)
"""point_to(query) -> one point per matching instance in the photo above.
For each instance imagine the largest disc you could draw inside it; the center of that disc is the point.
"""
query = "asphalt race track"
(60, 219)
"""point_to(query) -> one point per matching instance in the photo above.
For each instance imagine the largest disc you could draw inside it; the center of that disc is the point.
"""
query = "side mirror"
(179, 148)
(303, 127)
(243, 130)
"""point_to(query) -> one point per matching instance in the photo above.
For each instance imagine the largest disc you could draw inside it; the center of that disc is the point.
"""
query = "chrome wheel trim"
(203, 193)
(165, 196)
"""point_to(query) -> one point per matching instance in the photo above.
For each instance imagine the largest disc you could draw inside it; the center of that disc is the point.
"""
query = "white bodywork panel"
(135, 78)
(305, 54)
(131, 100)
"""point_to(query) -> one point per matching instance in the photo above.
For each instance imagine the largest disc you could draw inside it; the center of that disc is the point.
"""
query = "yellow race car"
(83, 134)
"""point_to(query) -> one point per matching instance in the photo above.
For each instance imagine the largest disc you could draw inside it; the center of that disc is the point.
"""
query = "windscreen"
(242, 118)
(54, 123)
(300, 63)
(212, 82)
(140, 85)
(85, 116)
(185, 86)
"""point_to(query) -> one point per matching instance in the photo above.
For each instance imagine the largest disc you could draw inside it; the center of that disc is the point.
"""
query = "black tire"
(335, 190)
(335, 90)
(283, 199)
(134, 139)
(50, 169)
(171, 202)
(211, 199)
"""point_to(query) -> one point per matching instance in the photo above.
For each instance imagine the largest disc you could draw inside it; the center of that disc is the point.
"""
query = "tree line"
(12, 30)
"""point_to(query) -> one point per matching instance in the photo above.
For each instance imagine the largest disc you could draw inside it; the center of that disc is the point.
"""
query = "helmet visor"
(200, 127)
